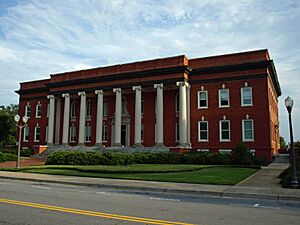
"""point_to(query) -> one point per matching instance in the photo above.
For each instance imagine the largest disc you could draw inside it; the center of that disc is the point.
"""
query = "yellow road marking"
(91, 213)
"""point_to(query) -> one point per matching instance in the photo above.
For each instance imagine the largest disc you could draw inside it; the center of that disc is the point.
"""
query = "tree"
(282, 143)
(8, 127)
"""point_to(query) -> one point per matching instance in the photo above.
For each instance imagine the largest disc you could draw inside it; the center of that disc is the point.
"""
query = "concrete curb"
(225, 193)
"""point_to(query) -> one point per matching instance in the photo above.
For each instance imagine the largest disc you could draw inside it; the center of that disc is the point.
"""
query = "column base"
(137, 145)
(184, 145)
(99, 145)
(159, 145)
(117, 145)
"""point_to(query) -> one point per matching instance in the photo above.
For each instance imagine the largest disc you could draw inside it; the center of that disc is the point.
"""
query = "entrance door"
(123, 135)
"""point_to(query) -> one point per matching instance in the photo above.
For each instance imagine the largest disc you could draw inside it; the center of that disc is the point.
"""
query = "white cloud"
(40, 37)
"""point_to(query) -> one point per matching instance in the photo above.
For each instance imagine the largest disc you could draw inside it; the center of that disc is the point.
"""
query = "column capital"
(115, 90)
(81, 93)
(182, 83)
(65, 95)
(161, 85)
(97, 92)
(136, 88)
(50, 96)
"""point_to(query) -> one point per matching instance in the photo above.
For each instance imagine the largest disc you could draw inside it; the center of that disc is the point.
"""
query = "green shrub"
(7, 157)
(24, 152)
(241, 155)
(120, 158)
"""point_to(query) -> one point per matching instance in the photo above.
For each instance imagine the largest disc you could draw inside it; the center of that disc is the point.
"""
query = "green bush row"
(24, 152)
(118, 158)
(7, 157)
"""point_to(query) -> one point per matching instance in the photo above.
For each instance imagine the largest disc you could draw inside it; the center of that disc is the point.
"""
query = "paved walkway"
(263, 185)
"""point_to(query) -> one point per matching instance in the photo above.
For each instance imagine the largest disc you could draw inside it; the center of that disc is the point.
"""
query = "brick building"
(204, 104)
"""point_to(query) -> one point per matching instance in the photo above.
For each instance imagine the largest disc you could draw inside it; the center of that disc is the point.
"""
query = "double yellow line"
(90, 213)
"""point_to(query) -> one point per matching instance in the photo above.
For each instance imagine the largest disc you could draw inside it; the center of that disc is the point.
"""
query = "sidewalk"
(262, 185)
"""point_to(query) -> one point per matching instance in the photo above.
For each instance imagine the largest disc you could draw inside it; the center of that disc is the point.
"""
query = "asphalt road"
(26, 203)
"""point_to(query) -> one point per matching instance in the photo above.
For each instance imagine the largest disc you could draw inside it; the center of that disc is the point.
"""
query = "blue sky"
(40, 37)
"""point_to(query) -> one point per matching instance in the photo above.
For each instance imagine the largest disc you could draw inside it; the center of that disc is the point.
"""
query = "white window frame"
(225, 151)
(199, 131)
(220, 131)
(177, 135)
(38, 108)
(72, 134)
(73, 109)
(243, 130)
(35, 133)
(224, 106)
(26, 130)
(242, 96)
(26, 110)
(203, 150)
(88, 111)
(88, 133)
(206, 99)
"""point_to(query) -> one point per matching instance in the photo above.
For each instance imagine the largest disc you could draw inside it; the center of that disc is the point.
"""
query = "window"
(37, 133)
(177, 102)
(246, 96)
(248, 131)
(177, 132)
(124, 106)
(224, 98)
(88, 112)
(202, 131)
(38, 110)
(105, 107)
(88, 133)
(26, 134)
(224, 130)
(104, 133)
(73, 109)
(27, 110)
(72, 133)
(202, 99)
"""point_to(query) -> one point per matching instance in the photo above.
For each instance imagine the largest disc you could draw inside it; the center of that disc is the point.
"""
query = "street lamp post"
(20, 126)
(289, 102)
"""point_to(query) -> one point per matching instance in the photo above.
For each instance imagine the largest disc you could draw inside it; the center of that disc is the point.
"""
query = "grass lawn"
(198, 174)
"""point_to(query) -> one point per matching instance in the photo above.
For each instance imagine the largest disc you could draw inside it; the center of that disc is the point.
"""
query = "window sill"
(248, 140)
(206, 107)
(203, 141)
(224, 140)
(224, 106)
(38, 117)
(246, 105)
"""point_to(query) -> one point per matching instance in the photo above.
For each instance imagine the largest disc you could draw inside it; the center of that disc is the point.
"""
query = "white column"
(51, 119)
(57, 120)
(66, 119)
(159, 114)
(82, 118)
(188, 99)
(182, 114)
(118, 116)
(138, 115)
(99, 117)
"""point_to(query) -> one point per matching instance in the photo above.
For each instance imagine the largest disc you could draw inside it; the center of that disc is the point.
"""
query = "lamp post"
(289, 102)
(20, 126)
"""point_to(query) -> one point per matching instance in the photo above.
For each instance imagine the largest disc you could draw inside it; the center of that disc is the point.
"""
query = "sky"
(42, 37)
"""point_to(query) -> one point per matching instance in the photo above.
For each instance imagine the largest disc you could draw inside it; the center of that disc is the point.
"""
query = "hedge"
(119, 158)
(24, 152)
(7, 157)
